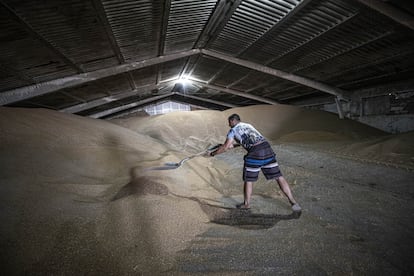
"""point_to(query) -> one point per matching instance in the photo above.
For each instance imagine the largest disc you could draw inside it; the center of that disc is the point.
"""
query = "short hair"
(234, 117)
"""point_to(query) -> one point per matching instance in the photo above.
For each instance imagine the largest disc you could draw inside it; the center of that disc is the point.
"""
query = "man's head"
(234, 119)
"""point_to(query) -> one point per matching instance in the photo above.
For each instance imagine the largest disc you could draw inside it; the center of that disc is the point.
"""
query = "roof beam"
(87, 105)
(217, 22)
(397, 15)
(364, 65)
(216, 17)
(172, 99)
(234, 92)
(181, 99)
(164, 26)
(278, 24)
(30, 91)
(137, 109)
(280, 74)
(100, 10)
(306, 42)
(128, 106)
(345, 50)
(163, 35)
(206, 100)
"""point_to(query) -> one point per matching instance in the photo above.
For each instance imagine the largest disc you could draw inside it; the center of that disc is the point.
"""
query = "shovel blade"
(172, 164)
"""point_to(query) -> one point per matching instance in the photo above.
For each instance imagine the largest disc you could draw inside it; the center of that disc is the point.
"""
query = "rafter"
(345, 50)
(182, 99)
(306, 42)
(220, 20)
(128, 106)
(206, 100)
(278, 25)
(280, 74)
(30, 91)
(100, 10)
(134, 110)
(159, 100)
(220, 10)
(87, 105)
(164, 26)
(234, 92)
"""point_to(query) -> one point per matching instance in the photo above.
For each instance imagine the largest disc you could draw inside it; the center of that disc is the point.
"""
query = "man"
(260, 156)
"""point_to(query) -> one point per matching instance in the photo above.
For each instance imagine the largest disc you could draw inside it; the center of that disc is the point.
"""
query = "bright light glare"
(184, 81)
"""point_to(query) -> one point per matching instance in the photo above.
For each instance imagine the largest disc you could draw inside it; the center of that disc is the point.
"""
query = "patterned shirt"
(246, 135)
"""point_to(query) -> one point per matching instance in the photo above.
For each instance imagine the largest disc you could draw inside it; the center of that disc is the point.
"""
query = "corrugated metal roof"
(102, 48)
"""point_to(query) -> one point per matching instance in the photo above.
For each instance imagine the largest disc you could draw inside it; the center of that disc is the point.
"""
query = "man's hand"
(213, 148)
(207, 153)
(220, 148)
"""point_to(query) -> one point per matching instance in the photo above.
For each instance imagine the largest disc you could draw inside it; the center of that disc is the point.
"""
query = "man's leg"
(284, 186)
(248, 189)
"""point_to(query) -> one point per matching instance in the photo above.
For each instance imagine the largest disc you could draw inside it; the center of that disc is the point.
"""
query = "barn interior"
(86, 186)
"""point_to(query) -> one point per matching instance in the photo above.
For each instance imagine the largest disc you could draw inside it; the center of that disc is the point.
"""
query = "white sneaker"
(296, 208)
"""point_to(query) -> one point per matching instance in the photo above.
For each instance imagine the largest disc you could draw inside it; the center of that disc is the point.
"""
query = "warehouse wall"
(393, 112)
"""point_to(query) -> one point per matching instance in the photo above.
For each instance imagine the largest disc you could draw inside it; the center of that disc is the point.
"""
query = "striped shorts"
(260, 158)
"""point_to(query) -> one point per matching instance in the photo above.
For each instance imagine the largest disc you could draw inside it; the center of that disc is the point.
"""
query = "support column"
(339, 107)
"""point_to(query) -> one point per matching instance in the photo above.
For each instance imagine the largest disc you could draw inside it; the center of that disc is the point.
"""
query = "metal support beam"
(163, 35)
(314, 38)
(172, 99)
(220, 19)
(184, 102)
(128, 106)
(278, 25)
(395, 14)
(339, 107)
(84, 106)
(346, 50)
(164, 26)
(134, 110)
(206, 100)
(235, 92)
(313, 104)
(280, 74)
(100, 10)
(30, 91)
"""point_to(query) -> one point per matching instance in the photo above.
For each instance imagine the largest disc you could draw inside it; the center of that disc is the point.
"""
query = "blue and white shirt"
(246, 135)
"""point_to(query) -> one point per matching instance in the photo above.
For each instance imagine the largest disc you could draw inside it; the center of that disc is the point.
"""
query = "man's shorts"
(260, 158)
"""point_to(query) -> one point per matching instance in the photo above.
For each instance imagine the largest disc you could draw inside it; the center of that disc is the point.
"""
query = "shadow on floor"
(244, 218)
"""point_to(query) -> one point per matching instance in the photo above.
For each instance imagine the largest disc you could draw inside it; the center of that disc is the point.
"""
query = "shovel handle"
(214, 147)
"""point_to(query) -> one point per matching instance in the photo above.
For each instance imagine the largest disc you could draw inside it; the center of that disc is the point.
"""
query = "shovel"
(177, 165)
(173, 165)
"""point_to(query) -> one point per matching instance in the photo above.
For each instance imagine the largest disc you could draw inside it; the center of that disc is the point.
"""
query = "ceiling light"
(184, 80)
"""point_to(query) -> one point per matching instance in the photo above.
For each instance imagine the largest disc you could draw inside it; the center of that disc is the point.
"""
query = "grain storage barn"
(90, 183)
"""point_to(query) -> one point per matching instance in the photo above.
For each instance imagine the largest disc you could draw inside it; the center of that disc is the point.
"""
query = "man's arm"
(228, 144)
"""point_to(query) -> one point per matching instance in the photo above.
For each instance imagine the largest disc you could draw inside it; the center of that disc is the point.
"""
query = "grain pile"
(77, 194)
